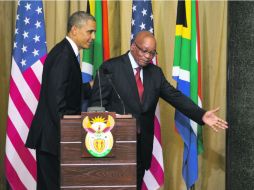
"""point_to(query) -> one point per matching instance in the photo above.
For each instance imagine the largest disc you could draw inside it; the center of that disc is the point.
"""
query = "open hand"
(210, 119)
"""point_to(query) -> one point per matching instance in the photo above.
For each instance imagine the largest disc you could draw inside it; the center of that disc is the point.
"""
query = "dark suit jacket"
(60, 95)
(119, 71)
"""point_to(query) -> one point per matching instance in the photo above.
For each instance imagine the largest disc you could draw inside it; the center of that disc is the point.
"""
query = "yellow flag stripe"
(92, 7)
(185, 32)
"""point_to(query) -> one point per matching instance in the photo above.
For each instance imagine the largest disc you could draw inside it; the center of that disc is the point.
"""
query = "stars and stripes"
(142, 19)
(29, 53)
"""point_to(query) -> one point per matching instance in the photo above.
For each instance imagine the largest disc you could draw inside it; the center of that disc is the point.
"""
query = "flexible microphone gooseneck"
(99, 79)
(108, 76)
(97, 108)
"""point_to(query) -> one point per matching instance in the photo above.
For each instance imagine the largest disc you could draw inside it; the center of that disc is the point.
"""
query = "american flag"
(142, 19)
(29, 53)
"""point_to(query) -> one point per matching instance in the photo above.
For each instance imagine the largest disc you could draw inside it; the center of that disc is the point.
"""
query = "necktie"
(139, 84)
(78, 57)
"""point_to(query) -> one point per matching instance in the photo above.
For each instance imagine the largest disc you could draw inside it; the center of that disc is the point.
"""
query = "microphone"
(108, 76)
(97, 108)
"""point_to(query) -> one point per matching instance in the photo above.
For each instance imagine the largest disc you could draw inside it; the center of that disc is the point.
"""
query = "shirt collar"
(133, 62)
(73, 45)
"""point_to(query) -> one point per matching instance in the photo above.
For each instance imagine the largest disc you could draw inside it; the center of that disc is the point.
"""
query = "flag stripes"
(14, 180)
(29, 54)
(23, 152)
(142, 19)
(23, 87)
(99, 50)
(187, 73)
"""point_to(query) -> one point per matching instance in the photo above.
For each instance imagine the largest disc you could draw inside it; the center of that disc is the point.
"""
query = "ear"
(74, 30)
(132, 47)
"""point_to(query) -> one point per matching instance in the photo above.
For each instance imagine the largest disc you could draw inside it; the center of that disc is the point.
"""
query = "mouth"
(146, 61)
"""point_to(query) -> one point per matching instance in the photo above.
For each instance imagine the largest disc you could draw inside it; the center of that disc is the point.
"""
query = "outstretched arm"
(213, 121)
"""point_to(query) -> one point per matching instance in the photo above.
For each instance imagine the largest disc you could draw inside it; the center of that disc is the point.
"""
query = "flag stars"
(23, 62)
(16, 30)
(134, 8)
(24, 49)
(144, 12)
(17, 17)
(27, 21)
(37, 24)
(132, 36)
(15, 45)
(142, 26)
(132, 22)
(36, 38)
(151, 16)
(151, 30)
(28, 6)
(25, 34)
(35, 52)
(39, 10)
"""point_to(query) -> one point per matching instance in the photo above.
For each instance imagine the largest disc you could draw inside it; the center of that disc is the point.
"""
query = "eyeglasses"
(152, 53)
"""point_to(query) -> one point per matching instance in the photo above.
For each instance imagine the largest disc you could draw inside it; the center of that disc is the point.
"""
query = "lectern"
(116, 172)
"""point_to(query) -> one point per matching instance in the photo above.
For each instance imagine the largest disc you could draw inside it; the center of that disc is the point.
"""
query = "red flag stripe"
(157, 171)
(17, 120)
(157, 129)
(198, 52)
(33, 82)
(20, 103)
(23, 87)
(144, 187)
(106, 50)
(25, 155)
(14, 181)
(22, 173)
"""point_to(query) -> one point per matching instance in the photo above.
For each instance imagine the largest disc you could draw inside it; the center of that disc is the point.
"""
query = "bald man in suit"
(140, 85)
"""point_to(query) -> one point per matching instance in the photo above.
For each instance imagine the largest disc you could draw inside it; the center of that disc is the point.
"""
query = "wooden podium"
(117, 172)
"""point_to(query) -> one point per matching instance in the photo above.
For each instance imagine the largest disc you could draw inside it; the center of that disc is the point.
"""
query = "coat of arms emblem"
(99, 140)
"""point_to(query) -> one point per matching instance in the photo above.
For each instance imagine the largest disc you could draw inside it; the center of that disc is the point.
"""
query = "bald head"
(144, 36)
(143, 48)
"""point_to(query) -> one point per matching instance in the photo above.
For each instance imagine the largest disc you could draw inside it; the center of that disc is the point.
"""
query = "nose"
(93, 35)
(148, 55)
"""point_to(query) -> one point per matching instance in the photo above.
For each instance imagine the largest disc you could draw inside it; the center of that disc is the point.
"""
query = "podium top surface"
(118, 116)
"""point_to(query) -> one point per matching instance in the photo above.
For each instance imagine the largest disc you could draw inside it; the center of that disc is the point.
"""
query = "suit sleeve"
(58, 82)
(181, 102)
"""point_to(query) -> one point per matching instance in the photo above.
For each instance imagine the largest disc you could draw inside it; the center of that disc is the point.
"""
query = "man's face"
(85, 34)
(144, 51)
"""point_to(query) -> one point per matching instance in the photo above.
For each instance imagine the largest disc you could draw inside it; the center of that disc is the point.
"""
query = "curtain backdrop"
(213, 29)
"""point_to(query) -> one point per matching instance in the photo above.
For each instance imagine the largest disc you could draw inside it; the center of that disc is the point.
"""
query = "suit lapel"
(147, 85)
(130, 77)
(72, 54)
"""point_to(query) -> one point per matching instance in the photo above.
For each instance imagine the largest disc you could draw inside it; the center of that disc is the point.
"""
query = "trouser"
(48, 171)
(140, 168)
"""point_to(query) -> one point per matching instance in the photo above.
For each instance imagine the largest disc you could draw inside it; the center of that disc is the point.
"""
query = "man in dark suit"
(60, 95)
(140, 85)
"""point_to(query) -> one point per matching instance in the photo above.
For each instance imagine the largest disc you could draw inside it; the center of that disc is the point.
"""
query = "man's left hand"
(213, 121)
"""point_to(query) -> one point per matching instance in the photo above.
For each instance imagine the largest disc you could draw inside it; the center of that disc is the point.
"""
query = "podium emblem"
(99, 140)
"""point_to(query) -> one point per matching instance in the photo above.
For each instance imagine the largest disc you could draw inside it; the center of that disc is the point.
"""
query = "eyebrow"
(145, 51)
